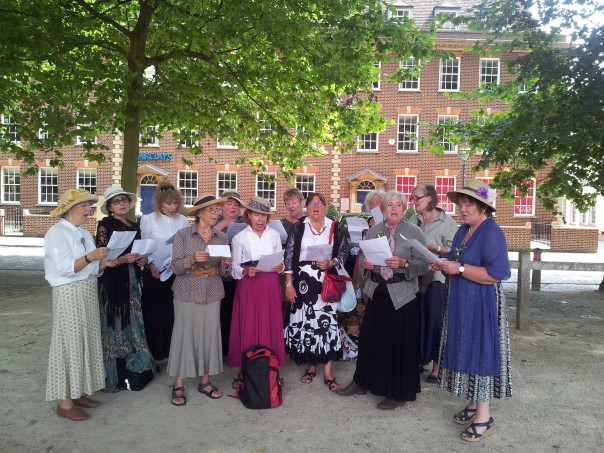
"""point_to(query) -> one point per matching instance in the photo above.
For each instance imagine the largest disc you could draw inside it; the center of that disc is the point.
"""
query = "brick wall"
(517, 237)
(38, 225)
(565, 239)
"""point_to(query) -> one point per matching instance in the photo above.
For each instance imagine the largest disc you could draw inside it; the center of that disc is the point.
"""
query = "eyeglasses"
(316, 203)
(414, 198)
(213, 210)
(120, 200)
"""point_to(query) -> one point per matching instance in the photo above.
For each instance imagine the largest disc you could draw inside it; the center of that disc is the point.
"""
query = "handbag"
(348, 300)
(333, 284)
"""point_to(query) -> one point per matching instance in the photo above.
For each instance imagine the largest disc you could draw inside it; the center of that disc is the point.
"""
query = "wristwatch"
(406, 266)
(461, 269)
(86, 259)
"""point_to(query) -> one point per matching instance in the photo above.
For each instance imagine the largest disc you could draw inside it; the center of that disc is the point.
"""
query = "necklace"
(318, 233)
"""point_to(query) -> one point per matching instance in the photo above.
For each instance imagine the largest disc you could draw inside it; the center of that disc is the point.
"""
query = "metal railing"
(541, 232)
(13, 219)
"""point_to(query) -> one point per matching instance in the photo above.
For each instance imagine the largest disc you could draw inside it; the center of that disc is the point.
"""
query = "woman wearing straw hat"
(71, 264)
(196, 349)
(124, 341)
(257, 308)
(474, 355)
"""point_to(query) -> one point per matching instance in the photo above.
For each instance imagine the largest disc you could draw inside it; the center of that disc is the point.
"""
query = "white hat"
(111, 192)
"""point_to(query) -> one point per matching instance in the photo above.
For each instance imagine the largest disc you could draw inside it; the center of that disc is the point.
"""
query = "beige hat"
(111, 192)
(475, 189)
(232, 194)
(70, 198)
(259, 204)
(203, 201)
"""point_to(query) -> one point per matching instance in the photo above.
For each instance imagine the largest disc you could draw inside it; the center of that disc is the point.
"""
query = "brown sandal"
(308, 377)
(331, 384)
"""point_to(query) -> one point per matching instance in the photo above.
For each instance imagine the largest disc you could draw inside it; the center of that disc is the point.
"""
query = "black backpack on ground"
(261, 387)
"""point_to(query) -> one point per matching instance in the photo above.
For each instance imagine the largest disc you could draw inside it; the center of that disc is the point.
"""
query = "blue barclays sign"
(155, 156)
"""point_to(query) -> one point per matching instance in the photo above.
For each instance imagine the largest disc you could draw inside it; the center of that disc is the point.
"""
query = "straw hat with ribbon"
(111, 192)
(259, 204)
(475, 189)
(70, 198)
(203, 201)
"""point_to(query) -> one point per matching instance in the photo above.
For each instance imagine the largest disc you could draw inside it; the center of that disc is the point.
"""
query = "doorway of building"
(363, 189)
(148, 187)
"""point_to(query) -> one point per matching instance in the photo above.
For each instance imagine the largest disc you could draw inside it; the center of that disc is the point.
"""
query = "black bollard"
(536, 278)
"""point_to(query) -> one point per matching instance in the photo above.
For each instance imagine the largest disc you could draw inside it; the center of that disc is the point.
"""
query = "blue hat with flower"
(476, 189)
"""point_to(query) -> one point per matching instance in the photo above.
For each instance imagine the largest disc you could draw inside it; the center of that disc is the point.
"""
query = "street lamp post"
(464, 155)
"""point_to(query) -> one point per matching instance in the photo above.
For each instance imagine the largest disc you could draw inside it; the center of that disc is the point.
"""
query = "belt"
(198, 271)
(377, 278)
(250, 263)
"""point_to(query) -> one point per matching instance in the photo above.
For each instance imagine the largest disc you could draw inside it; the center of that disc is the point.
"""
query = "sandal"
(331, 384)
(308, 377)
(177, 396)
(208, 393)
(237, 382)
(471, 434)
(464, 417)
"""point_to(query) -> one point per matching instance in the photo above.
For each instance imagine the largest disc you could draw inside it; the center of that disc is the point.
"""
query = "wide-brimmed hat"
(476, 189)
(203, 201)
(232, 194)
(111, 192)
(259, 204)
(70, 198)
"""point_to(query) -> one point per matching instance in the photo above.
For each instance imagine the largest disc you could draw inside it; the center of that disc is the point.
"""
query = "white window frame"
(263, 188)
(52, 171)
(226, 144)
(189, 192)
(221, 182)
(482, 75)
(446, 26)
(400, 13)
(377, 84)
(300, 183)
(147, 141)
(408, 195)
(367, 139)
(443, 201)
(80, 174)
(265, 125)
(446, 78)
(449, 147)
(12, 129)
(187, 142)
(532, 205)
(404, 85)
(402, 139)
(15, 173)
(79, 140)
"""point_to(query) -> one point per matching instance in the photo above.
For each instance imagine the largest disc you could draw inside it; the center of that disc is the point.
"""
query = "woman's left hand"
(279, 267)
(324, 264)
(395, 262)
(227, 260)
(142, 262)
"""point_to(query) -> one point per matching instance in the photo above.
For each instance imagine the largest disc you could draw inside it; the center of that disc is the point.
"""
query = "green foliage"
(213, 69)
(332, 213)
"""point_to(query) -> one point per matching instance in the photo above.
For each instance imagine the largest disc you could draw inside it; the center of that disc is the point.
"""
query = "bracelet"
(288, 284)
(86, 259)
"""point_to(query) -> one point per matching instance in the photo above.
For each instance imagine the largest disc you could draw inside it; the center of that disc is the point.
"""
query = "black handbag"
(129, 380)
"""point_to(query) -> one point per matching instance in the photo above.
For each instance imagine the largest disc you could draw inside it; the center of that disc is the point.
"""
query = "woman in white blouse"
(157, 299)
(71, 264)
(257, 315)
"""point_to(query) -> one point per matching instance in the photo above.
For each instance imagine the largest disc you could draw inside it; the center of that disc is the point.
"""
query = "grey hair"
(370, 196)
(389, 196)
(430, 191)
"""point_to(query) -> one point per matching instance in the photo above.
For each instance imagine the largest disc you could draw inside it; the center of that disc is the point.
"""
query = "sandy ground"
(557, 404)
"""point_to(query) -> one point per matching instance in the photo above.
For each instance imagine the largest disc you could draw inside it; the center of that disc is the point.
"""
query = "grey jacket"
(404, 291)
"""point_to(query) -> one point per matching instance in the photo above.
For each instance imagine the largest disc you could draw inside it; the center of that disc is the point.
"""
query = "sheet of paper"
(278, 226)
(378, 217)
(376, 250)
(120, 240)
(219, 250)
(356, 236)
(267, 262)
(318, 252)
(422, 249)
(145, 247)
(233, 229)
(357, 223)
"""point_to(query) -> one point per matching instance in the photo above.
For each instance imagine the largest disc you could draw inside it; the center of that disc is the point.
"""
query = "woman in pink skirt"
(257, 306)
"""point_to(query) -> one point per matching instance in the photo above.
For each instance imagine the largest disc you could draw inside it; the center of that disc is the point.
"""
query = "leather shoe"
(75, 413)
(388, 404)
(351, 389)
(432, 379)
(86, 402)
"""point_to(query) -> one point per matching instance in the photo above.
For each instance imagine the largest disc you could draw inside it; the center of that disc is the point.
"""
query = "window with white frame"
(11, 184)
(266, 187)
(187, 184)
(488, 181)
(265, 125)
(489, 71)
(377, 84)
(444, 120)
(368, 142)
(401, 13)
(11, 129)
(524, 205)
(411, 84)
(227, 144)
(87, 179)
(185, 139)
(149, 138)
(305, 183)
(449, 74)
(225, 180)
(81, 139)
(407, 133)
(48, 185)
(446, 24)
(405, 185)
(444, 184)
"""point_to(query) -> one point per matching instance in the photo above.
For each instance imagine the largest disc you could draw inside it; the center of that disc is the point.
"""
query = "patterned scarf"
(385, 271)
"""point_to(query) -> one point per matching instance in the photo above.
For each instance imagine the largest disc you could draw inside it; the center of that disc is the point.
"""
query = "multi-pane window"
(149, 136)
(11, 129)
(185, 139)
(487, 181)
(48, 187)
(265, 126)
(405, 185)
(225, 180)
(444, 184)
(411, 84)
(444, 120)
(224, 143)
(81, 139)
(402, 13)
(446, 24)
(368, 142)
(449, 75)
(305, 183)
(87, 179)
(187, 184)
(407, 133)
(266, 187)
(489, 71)
(525, 205)
(377, 83)
(11, 184)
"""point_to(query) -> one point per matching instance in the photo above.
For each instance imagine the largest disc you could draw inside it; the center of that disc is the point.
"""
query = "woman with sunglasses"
(311, 336)
(124, 341)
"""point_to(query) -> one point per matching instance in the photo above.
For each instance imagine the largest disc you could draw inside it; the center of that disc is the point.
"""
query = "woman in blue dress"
(474, 354)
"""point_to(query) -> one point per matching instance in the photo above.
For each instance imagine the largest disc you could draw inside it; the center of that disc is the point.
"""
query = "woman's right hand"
(154, 271)
(200, 257)
(250, 271)
(368, 265)
(98, 254)
(290, 293)
(128, 258)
